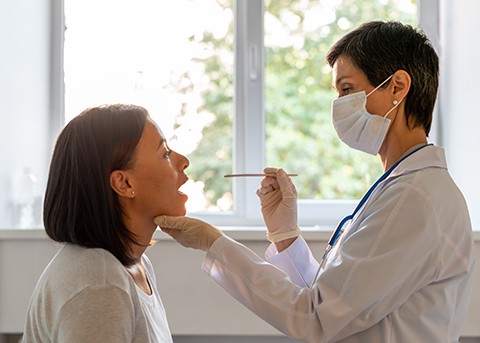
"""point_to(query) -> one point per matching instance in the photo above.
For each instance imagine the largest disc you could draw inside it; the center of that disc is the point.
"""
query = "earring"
(133, 192)
(395, 101)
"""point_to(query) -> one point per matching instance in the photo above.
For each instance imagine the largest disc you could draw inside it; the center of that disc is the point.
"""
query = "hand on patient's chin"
(189, 232)
(181, 212)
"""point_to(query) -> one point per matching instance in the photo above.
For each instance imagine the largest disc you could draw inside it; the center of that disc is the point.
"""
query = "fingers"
(179, 236)
(267, 191)
(170, 232)
(263, 192)
(280, 181)
(268, 184)
(285, 183)
(270, 197)
(270, 170)
(269, 181)
(162, 221)
(169, 222)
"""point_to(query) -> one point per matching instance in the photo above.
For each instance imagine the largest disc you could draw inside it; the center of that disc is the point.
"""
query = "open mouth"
(182, 187)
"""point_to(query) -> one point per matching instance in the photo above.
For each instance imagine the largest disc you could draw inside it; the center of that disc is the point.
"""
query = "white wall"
(197, 308)
(460, 73)
(24, 95)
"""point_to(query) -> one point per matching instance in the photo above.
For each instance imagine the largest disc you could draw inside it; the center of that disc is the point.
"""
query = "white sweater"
(86, 295)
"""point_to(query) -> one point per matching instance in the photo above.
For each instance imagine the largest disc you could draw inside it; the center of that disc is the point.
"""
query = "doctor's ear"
(120, 184)
(401, 82)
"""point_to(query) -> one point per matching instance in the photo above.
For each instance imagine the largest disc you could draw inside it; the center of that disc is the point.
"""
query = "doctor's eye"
(346, 91)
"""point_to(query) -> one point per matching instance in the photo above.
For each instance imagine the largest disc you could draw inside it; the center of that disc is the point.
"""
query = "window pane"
(175, 58)
(299, 136)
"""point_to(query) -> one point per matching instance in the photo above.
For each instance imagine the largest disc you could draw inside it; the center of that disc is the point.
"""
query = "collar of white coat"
(427, 157)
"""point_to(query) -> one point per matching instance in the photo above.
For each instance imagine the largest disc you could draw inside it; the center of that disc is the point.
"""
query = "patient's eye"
(167, 152)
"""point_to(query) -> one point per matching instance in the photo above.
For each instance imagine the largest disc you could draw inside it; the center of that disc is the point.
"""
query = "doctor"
(399, 268)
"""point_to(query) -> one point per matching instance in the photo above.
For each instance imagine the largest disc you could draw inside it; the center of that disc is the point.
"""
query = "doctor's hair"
(80, 207)
(380, 48)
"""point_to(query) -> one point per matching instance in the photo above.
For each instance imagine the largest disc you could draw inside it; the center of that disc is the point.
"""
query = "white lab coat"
(401, 272)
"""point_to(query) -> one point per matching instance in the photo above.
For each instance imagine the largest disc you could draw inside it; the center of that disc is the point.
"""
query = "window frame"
(249, 118)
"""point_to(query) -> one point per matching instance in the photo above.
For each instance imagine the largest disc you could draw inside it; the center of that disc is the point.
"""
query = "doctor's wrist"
(282, 234)
(285, 244)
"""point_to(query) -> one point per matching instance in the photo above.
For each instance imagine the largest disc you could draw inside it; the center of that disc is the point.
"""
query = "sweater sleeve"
(97, 314)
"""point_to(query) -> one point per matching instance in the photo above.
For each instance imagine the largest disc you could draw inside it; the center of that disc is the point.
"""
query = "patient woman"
(111, 173)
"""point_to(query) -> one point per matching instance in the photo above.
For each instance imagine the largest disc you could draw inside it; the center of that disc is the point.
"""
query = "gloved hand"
(278, 198)
(189, 232)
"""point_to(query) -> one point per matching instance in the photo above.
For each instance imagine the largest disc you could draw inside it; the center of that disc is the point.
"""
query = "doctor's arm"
(260, 286)
(278, 198)
(374, 273)
(288, 251)
(378, 268)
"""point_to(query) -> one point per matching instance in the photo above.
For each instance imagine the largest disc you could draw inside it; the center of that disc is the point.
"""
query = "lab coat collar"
(428, 157)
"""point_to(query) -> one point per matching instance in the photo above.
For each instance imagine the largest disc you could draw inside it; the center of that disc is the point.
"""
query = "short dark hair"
(380, 48)
(80, 207)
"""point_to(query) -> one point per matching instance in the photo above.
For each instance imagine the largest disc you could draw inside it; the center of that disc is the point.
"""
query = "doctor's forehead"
(345, 69)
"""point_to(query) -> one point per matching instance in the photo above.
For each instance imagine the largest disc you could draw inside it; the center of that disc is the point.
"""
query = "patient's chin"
(180, 212)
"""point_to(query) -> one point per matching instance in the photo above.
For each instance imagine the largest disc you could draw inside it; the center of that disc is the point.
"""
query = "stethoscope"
(340, 227)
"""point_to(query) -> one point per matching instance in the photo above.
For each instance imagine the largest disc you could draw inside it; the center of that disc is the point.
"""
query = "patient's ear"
(119, 183)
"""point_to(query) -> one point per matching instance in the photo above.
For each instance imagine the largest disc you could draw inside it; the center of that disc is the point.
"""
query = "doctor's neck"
(397, 142)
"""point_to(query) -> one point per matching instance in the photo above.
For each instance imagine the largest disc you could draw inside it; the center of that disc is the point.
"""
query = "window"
(32, 85)
(230, 103)
(298, 93)
(173, 58)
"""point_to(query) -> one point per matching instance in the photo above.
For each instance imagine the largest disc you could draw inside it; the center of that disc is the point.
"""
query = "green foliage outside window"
(298, 95)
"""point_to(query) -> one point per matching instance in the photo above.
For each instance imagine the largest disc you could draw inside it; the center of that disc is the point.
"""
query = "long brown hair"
(80, 206)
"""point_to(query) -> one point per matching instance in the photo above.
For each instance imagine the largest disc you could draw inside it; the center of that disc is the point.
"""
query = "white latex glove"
(278, 198)
(189, 232)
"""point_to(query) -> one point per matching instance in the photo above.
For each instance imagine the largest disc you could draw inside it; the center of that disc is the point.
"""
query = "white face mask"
(355, 126)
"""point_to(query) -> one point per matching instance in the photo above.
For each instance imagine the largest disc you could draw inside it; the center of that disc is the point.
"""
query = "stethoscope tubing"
(339, 229)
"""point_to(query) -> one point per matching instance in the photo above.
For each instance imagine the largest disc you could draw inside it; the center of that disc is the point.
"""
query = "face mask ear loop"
(394, 107)
(380, 85)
